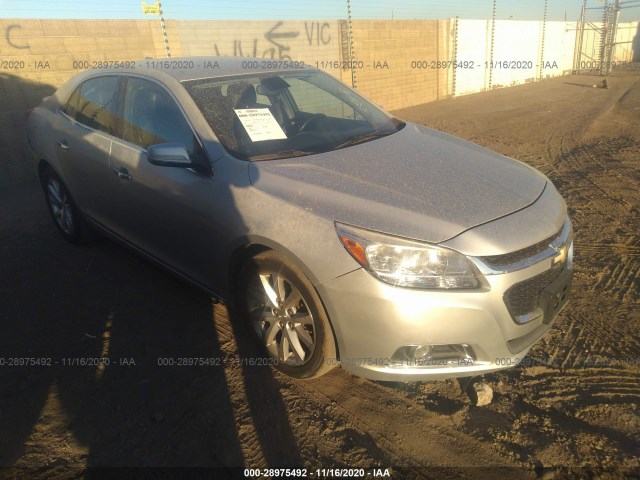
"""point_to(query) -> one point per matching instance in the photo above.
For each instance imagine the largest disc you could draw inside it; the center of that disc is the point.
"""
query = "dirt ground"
(569, 411)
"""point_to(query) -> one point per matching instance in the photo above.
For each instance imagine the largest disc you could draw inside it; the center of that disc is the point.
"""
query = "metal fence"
(495, 44)
(603, 44)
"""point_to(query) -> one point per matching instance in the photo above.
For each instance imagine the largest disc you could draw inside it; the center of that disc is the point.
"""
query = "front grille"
(524, 297)
(513, 258)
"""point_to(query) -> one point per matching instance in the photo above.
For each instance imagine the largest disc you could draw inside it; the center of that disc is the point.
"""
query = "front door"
(166, 211)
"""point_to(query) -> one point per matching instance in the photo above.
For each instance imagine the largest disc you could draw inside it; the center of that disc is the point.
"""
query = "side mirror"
(171, 154)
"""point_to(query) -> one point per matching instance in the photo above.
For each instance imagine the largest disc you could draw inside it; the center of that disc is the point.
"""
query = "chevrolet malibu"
(344, 235)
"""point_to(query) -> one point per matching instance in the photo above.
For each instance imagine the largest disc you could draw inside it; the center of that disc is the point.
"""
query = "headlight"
(407, 263)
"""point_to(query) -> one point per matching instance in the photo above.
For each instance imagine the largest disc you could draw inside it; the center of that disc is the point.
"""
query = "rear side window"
(151, 116)
(92, 103)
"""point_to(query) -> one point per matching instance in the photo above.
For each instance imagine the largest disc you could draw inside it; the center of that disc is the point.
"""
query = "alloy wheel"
(282, 319)
(60, 205)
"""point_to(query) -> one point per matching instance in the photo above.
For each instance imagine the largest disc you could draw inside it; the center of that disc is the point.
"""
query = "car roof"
(193, 68)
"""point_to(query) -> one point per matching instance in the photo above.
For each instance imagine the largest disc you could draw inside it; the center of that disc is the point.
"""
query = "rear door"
(83, 131)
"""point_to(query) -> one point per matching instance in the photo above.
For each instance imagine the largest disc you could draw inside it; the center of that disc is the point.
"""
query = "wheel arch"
(256, 245)
(42, 166)
(248, 247)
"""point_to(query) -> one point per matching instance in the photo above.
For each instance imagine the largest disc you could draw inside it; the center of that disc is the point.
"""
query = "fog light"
(434, 356)
(422, 351)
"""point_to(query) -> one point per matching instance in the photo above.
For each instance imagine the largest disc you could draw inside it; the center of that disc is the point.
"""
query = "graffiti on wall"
(12, 41)
(278, 40)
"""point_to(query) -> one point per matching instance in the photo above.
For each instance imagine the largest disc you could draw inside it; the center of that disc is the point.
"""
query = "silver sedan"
(342, 234)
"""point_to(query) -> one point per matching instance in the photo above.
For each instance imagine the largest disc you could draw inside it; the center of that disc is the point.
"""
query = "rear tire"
(66, 216)
(286, 316)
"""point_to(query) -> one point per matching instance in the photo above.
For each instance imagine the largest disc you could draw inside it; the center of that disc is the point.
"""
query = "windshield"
(287, 114)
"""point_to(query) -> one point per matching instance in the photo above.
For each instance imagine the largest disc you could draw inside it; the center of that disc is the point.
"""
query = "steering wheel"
(312, 119)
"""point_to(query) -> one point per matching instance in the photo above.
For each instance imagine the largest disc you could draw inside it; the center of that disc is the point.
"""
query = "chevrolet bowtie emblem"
(560, 256)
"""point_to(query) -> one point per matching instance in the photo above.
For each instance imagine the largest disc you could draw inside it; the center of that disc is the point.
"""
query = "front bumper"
(373, 320)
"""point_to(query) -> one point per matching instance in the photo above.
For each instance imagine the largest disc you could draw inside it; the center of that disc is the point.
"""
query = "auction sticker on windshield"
(260, 124)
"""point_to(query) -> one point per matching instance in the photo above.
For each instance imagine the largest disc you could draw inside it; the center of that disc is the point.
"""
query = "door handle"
(63, 144)
(122, 173)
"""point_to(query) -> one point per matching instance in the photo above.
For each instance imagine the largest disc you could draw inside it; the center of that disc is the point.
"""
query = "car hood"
(417, 183)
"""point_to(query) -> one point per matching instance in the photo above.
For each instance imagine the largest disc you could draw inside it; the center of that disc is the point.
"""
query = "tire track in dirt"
(395, 418)
(586, 366)
(608, 248)
(575, 164)
(361, 420)
(592, 169)
(601, 155)
(561, 406)
(319, 431)
(583, 334)
(609, 380)
(247, 435)
(585, 399)
(622, 279)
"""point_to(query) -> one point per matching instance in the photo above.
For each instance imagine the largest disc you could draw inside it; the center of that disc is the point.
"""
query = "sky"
(318, 9)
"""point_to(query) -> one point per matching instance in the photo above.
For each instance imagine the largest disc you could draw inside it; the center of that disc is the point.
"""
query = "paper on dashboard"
(260, 124)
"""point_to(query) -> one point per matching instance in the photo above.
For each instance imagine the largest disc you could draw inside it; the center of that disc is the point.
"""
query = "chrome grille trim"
(526, 257)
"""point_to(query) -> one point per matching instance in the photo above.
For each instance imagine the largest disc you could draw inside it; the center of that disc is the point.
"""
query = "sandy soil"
(569, 411)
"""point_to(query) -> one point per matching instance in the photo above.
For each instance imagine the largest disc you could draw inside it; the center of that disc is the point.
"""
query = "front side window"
(269, 116)
(92, 103)
(150, 116)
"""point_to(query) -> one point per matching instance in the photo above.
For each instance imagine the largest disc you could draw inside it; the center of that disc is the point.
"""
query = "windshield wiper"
(283, 154)
(365, 137)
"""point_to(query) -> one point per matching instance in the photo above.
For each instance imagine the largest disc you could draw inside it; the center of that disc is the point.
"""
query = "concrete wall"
(43, 54)
(309, 41)
(386, 52)
(474, 50)
(516, 52)
(396, 62)
(559, 47)
(628, 40)
(523, 51)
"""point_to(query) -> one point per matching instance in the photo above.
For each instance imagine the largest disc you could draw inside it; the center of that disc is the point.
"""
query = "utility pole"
(350, 30)
(544, 32)
(577, 56)
(165, 38)
(614, 32)
(493, 36)
(609, 30)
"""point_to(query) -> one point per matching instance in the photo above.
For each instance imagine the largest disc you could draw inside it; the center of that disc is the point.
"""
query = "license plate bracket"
(554, 297)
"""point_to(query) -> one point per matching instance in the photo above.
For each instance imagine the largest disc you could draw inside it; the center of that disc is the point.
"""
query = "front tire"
(287, 317)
